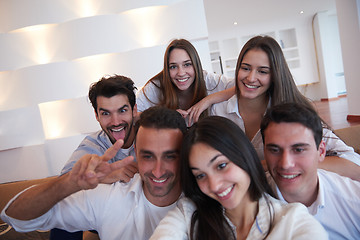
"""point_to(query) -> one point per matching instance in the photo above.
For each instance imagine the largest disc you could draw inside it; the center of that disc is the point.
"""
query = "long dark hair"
(208, 221)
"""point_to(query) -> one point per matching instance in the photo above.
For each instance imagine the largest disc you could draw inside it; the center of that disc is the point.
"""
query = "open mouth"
(289, 176)
(251, 86)
(226, 192)
(159, 180)
(117, 129)
(182, 79)
(118, 132)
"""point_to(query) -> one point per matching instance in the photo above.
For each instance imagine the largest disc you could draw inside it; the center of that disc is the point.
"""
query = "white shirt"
(291, 221)
(116, 211)
(230, 110)
(214, 83)
(337, 206)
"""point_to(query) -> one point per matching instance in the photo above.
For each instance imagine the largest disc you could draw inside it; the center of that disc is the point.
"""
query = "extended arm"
(195, 111)
(341, 166)
(87, 173)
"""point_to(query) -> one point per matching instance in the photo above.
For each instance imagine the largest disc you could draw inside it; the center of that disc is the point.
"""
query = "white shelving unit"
(225, 53)
(215, 57)
(288, 42)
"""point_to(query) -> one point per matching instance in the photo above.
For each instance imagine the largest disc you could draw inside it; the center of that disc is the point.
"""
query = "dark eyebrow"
(271, 145)
(209, 163)
(259, 67)
(120, 108)
(300, 145)
(146, 152)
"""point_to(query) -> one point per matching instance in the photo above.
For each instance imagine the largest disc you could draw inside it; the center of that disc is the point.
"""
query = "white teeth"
(226, 192)
(289, 176)
(159, 181)
(117, 130)
(251, 86)
(182, 80)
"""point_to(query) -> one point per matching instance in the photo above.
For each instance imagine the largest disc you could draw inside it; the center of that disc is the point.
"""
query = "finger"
(122, 163)
(92, 164)
(112, 151)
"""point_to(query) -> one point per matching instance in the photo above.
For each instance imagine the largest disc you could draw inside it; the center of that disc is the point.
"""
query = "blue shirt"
(96, 143)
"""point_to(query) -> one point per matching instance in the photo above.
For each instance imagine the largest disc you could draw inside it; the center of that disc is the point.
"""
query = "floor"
(334, 112)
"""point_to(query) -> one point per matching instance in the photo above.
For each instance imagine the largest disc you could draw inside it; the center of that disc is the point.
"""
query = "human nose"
(213, 183)
(157, 170)
(286, 160)
(115, 119)
(252, 75)
(181, 71)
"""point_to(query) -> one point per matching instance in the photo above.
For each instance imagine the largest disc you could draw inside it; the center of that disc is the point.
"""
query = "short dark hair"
(161, 117)
(109, 86)
(294, 113)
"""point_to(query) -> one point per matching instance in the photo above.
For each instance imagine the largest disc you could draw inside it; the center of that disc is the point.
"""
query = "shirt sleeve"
(216, 83)
(148, 96)
(336, 146)
(89, 145)
(73, 211)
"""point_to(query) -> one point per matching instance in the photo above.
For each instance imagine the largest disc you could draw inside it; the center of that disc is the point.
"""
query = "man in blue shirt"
(113, 100)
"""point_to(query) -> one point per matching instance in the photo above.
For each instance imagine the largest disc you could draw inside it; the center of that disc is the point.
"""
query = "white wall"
(349, 29)
(326, 33)
(51, 53)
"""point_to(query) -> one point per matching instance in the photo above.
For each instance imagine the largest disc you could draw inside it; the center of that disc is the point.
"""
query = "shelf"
(287, 38)
(214, 46)
(214, 56)
(231, 63)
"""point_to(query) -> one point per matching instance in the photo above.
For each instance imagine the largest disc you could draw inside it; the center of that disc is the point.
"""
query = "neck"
(244, 215)
(163, 201)
(254, 105)
(306, 196)
(185, 98)
(128, 141)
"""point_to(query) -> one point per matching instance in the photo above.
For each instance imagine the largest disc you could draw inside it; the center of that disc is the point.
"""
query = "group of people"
(194, 155)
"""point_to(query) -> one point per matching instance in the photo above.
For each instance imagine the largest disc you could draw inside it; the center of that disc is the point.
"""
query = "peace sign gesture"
(92, 169)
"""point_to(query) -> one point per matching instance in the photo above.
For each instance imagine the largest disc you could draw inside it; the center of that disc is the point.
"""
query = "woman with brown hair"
(183, 83)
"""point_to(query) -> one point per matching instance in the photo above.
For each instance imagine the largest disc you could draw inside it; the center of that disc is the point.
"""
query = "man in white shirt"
(113, 100)
(293, 148)
(78, 201)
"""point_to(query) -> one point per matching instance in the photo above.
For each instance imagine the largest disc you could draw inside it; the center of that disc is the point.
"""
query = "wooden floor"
(334, 112)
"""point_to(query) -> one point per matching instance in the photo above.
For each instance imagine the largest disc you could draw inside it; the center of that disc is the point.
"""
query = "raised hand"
(92, 169)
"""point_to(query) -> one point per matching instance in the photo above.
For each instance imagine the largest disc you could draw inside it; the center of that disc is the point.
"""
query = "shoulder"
(295, 219)
(149, 95)
(176, 224)
(339, 186)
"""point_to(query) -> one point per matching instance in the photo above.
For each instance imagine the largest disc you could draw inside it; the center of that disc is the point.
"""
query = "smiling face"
(181, 69)
(218, 177)
(292, 159)
(157, 153)
(116, 117)
(254, 78)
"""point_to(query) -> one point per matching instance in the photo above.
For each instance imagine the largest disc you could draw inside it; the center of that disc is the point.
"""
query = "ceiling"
(222, 14)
